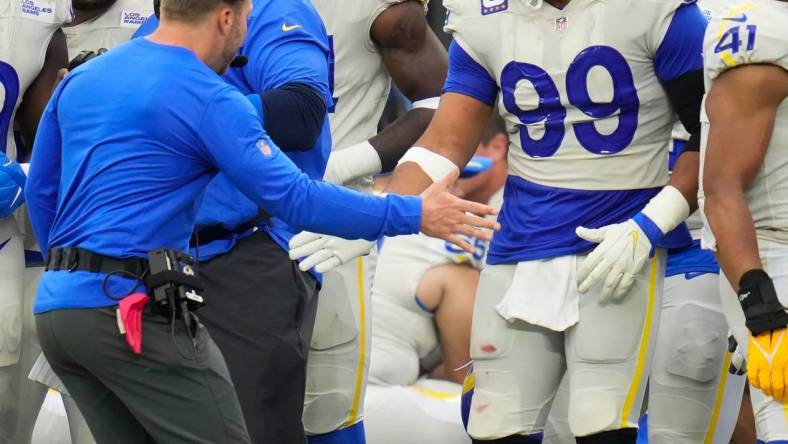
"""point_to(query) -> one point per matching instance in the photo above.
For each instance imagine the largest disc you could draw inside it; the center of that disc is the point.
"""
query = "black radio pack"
(172, 282)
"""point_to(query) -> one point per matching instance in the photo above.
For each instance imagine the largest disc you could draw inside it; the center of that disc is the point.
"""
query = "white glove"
(350, 163)
(324, 252)
(623, 250)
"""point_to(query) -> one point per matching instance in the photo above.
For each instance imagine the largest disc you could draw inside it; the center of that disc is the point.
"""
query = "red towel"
(131, 314)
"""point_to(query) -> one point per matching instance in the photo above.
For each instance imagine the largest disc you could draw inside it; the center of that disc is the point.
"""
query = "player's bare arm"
(454, 133)
(741, 107)
(37, 95)
(417, 62)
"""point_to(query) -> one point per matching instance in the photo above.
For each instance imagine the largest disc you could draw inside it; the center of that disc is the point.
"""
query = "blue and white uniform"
(581, 92)
(753, 32)
(108, 30)
(340, 349)
(692, 395)
(404, 334)
(26, 30)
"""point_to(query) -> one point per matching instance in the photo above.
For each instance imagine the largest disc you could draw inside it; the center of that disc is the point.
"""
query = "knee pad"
(592, 411)
(620, 436)
(700, 345)
(10, 334)
(351, 435)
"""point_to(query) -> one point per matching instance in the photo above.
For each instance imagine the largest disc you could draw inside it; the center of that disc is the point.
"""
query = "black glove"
(758, 298)
(84, 57)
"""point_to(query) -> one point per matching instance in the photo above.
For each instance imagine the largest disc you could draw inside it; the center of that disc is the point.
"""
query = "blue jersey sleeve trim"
(681, 50)
(468, 77)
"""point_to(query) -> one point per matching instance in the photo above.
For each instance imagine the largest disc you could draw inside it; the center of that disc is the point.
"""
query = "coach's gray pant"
(174, 392)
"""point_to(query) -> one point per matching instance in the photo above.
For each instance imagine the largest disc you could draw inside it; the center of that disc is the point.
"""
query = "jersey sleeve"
(680, 48)
(286, 43)
(467, 74)
(373, 10)
(234, 141)
(745, 34)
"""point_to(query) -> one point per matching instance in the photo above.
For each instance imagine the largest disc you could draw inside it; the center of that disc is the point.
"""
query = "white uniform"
(110, 29)
(754, 33)
(339, 356)
(403, 330)
(26, 28)
(426, 412)
(581, 92)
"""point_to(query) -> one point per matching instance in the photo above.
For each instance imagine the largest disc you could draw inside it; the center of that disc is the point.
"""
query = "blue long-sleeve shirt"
(125, 150)
(286, 43)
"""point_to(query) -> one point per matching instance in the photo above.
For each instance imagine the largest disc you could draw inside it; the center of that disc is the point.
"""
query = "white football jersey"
(110, 29)
(579, 92)
(359, 82)
(26, 28)
(711, 8)
(755, 33)
(403, 331)
(358, 79)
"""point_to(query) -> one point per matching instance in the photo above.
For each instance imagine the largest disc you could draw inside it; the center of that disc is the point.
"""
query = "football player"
(32, 50)
(372, 43)
(104, 24)
(744, 181)
(423, 296)
(588, 91)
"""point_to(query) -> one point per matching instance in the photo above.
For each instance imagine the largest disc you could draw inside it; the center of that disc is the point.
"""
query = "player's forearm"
(685, 177)
(394, 140)
(731, 222)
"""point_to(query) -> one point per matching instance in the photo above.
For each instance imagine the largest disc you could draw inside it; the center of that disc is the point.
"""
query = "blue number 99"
(550, 110)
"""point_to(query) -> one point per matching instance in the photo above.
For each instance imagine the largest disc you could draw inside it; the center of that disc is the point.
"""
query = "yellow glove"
(767, 363)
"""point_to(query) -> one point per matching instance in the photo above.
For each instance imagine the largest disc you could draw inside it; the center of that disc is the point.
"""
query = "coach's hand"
(324, 252)
(444, 215)
(622, 251)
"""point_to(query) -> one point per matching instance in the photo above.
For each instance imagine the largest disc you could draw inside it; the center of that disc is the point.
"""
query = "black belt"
(207, 235)
(75, 258)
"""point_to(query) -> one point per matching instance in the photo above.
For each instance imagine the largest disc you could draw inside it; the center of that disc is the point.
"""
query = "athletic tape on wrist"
(432, 163)
(431, 103)
(667, 209)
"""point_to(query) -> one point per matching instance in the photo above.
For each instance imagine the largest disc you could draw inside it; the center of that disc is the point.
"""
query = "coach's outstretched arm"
(237, 144)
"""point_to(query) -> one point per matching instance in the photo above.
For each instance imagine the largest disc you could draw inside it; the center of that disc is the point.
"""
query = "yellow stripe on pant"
(629, 401)
(715, 413)
(362, 345)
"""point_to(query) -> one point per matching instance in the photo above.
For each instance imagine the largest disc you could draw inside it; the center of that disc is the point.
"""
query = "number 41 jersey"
(26, 27)
(582, 93)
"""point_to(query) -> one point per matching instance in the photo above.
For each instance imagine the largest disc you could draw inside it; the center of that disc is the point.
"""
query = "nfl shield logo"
(264, 148)
(493, 6)
(561, 24)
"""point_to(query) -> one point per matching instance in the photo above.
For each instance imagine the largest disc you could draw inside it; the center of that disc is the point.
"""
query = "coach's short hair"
(191, 10)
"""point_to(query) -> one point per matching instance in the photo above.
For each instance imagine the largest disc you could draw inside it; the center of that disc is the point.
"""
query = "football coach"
(123, 153)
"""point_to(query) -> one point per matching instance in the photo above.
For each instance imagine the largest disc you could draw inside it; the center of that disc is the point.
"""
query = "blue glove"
(12, 181)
